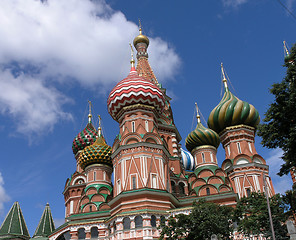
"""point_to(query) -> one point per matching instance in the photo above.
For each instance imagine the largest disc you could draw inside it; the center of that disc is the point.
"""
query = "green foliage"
(290, 199)
(279, 127)
(205, 220)
(251, 214)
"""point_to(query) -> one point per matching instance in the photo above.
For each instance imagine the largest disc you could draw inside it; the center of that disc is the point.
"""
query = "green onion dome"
(85, 138)
(99, 152)
(232, 111)
(201, 136)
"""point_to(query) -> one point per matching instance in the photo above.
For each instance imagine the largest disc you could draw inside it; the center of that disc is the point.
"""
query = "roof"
(14, 224)
(46, 224)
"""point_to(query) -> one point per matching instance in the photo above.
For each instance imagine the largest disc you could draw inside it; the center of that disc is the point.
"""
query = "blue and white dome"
(187, 160)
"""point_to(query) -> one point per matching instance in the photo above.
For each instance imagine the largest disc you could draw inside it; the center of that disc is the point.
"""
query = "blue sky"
(57, 55)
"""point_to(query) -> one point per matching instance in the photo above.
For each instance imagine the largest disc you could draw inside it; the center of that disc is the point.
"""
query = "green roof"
(14, 224)
(46, 224)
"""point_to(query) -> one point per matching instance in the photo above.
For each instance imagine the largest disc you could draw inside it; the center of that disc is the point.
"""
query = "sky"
(55, 55)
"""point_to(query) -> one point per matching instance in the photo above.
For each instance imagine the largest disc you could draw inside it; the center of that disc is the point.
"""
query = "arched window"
(173, 187)
(65, 236)
(114, 225)
(138, 222)
(203, 157)
(208, 191)
(153, 221)
(81, 233)
(126, 223)
(94, 233)
(182, 188)
(248, 191)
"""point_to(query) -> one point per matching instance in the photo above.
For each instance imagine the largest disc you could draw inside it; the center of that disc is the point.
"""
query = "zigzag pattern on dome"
(134, 90)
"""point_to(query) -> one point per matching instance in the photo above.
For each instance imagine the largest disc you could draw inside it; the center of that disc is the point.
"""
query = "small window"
(182, 188)
(114, 225)
(138, 222)
(228, 149)
(173, 187)
(248, 191)
(104, 176)
(153, 221)
(203, 157)
(126, 223)
(90, 208)
(146, 126)
(133, 126)
(208, 191)
(212, 159)
(95, 176)
(94, 233)
(239, 148)
(81, 234)
(134, 182)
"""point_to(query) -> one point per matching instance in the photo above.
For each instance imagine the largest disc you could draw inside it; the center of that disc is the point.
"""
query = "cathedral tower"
(236, 122)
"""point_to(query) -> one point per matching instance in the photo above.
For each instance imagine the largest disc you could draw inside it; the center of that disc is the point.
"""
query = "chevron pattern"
(134, 90)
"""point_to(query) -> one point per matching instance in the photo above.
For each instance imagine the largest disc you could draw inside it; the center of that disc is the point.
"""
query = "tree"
(205, 220)
(279, 127)
(290, 199)
(251, 214)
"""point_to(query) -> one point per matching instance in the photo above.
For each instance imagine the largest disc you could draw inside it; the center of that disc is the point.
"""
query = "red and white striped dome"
(134, 90)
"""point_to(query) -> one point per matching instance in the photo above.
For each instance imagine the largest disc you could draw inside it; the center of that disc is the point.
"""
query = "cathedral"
(126, 190)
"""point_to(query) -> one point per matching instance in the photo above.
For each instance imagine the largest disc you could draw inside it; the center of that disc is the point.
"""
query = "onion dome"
(99, 152)
(201, 136)
(134, 90)
(232, 111)
(86, 137)
(187, 160)
(141, 39)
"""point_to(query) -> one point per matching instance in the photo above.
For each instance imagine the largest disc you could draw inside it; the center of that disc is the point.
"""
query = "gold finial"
(224, 78)
(89, 112)
(132, 56)
(100, 127)
(286, 48)
(197, 113)
(140, 27)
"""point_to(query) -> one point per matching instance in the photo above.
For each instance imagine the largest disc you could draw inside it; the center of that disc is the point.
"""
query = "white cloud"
(85, 40)
(35, 107)
(3, 195)
(65, 40)
(281, 184)
(233, 3)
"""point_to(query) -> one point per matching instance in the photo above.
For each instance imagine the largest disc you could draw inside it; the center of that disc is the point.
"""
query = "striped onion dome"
(134, 90)
(232, 111)
(99, 152)
(201, 136)
(85, 138)
(187, 160)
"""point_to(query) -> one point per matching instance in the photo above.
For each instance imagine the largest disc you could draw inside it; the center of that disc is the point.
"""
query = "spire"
(197, 113)
(224, 78)
(14, 225)
(100, 127)
(286, 48)
(89, 112)
(46, 224)
(132, 59)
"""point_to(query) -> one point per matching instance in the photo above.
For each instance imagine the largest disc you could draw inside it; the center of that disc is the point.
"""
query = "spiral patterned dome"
(232, 111)
(134, 90)
(85, 138)
(187, 160)
(99, 152)
(201, 136)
